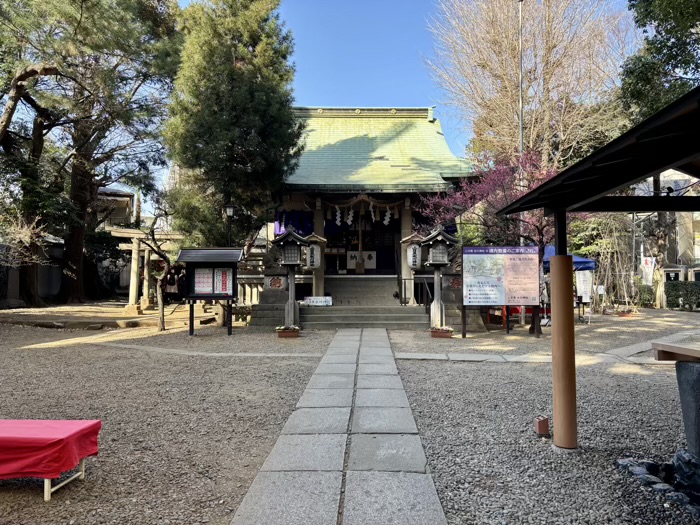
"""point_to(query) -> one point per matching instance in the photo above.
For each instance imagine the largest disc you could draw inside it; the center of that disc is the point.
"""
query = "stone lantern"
(438, 244)
(290, 243)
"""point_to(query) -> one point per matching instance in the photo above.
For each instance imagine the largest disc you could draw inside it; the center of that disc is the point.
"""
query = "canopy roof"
(580, 263)
(210, 255)
(374, 150)
(666, 140)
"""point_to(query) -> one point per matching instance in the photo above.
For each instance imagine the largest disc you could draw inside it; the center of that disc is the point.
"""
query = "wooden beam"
(640, 204)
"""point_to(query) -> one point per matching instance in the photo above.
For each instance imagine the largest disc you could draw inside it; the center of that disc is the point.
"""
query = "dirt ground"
(183, 435)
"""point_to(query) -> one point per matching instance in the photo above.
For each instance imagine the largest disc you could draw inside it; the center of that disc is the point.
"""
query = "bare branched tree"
(21, 243)
(572, 53)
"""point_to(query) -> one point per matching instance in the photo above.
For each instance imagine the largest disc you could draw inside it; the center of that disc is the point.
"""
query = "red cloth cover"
(45, 448)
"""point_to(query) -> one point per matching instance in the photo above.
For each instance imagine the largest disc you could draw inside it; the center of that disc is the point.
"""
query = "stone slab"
(381, 397)
(419, 355)
(331, 381)
(379, 381)
(335, 368)
(373, 420)
(376, 359)
(338, 358)
(380, 498)
(326, 397)
(321, 452)
(477, 358)
(318, 421)
(387, 453)
(375, 351)
(374, 369)
(528, 358)
(342, 350)
(291, 498)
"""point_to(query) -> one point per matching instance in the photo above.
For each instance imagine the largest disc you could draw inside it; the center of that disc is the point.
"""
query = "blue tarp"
(580, 263)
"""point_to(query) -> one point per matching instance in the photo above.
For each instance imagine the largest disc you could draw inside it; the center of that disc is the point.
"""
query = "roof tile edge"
(359, 112)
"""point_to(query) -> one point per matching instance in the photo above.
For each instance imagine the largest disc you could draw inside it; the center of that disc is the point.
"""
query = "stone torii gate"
(134, 307)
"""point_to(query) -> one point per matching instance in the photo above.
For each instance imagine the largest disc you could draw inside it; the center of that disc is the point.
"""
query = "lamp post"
(290, 243)
(520, 125)
(229, 209)
(438, 257)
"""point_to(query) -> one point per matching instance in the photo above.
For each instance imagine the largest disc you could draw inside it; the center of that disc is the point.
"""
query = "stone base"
(133, 309)
(12, 303)
(686, 466)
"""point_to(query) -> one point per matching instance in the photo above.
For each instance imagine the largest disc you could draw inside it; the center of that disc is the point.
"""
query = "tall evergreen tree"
(668, 65)
(232, 127)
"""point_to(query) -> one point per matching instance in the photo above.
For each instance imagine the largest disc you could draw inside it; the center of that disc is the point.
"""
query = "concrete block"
(326, 397)
(291, 498)
(321, 452)
(331, 381)
(378, 381)
(338, 358)
(335, 368)
(381, 397)
(374, 369)
(318, 421)
(387, 453)
(379, 498)
(419, 355)
(376, 359)
(373, 420)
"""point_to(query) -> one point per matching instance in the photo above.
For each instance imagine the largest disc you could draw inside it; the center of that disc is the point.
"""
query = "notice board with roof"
(211, 275)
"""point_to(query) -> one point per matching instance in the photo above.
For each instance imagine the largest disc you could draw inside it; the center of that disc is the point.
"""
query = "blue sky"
(366, 53)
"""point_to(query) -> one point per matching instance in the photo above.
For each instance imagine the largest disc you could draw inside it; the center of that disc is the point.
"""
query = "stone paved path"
(350, 454)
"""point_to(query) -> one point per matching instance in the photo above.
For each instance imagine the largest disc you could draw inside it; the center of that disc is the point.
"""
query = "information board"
(584, 285)
(318, 301)
(500, 276)
(203, 280)
(223, 279)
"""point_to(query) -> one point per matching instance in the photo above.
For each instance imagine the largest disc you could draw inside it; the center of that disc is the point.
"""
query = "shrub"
(685, 293)
(646, 295)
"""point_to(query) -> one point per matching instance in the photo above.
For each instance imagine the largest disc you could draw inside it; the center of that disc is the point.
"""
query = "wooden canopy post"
(563, 348)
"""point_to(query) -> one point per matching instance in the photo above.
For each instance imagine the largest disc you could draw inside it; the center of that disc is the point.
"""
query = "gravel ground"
(182, 437)
(207, 339)
(476, 422)
(603, 334)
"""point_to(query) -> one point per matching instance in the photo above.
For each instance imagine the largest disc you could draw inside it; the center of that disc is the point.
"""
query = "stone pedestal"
(133, 309)
(688, 376)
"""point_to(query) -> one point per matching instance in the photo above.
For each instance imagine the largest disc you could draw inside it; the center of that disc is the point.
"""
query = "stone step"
(360, 318)
(392, 325)
(403, 310)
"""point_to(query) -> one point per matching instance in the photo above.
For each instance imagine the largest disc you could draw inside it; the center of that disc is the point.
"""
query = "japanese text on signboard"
(500, 275)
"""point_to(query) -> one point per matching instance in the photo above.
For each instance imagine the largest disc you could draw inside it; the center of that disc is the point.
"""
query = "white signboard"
(502, 276)
(369, 257)
(318, 301)
(203, 280)
(648, 264)
(584, 285)
(223, 281)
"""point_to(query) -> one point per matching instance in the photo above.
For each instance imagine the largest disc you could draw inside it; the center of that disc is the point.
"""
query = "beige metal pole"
(563, 352)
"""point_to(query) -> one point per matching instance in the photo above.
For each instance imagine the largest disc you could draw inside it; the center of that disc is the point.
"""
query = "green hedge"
(646, 295)
(688, 291)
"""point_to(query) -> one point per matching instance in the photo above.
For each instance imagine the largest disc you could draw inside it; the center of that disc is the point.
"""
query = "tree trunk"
(18, 87)
(161, 306)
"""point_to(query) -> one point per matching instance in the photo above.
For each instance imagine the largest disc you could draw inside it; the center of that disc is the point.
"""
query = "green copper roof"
(374, 150)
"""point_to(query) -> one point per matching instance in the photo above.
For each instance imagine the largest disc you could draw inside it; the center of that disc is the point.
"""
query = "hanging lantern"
(290, 243)
(313, 256)
(414, 256)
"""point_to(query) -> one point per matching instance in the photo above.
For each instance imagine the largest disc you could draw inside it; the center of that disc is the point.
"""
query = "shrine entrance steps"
(338, 317)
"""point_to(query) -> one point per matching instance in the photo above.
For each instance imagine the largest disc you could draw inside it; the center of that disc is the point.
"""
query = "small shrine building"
(358, 184)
